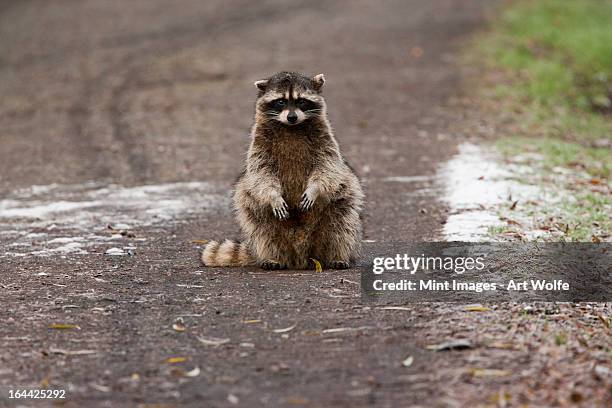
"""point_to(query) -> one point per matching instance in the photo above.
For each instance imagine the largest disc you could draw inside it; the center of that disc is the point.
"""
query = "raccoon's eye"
(280, 103)
(305, 104)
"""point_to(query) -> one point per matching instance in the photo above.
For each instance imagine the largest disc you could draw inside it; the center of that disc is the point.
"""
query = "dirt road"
(136, 115)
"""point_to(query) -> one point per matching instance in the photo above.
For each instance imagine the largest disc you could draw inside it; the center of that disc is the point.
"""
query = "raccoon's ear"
(318, 81)
(261, 85)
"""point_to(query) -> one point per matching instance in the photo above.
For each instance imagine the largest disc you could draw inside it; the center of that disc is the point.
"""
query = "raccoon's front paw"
(307, 200)
(280, 209)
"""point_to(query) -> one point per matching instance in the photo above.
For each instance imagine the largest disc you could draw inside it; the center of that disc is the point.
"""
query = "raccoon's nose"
(292, 117)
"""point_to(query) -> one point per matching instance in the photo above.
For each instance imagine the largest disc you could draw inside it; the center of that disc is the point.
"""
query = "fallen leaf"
(459, 344)
(252, 321)
(276, 368)
(560, 339)
(101, 388)
(501, 345)
(285, 330)
(595, 239)
(179, 325)
(576, 397)
(395, 308)
(583, 341)
(604, 321)
(501, 398)
(193, 373)
(232, 399)
(200, 241)
(44, 383)
(63, 326)
(297, 401)
(346, 329)
(182, 373)
(595, 181)
(212, 341)
(175, 360)
(71, 352)
(476, 308)
(408, 362)
(483, 373)
(416, 52)
(602, 372)
(318, 266)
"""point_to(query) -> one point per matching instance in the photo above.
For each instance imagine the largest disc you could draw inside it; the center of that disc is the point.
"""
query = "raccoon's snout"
(292, 117)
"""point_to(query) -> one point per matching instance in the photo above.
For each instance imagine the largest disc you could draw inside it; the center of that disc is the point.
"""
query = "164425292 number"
(36, 394)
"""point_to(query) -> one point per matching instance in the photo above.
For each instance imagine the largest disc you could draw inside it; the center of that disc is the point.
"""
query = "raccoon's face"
(290, 98)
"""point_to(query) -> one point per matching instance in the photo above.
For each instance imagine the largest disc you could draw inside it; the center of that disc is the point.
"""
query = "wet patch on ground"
(490, 196)
(474, 184)
(78, 219)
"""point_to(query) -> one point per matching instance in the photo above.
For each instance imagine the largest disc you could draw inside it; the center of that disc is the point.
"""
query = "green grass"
(586, 212)
(557, 63)
(559, 153)
(499, 229)
(560, 48)
(548, 74)
(575, 218)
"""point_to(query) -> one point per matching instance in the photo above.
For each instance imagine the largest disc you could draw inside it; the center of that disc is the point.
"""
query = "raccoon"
(297, 198)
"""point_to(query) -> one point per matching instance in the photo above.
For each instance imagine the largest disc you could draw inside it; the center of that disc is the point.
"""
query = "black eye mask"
(305, 104)
(278, 105)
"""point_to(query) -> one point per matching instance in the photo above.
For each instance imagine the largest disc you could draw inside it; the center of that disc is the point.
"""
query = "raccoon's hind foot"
(339, 265)
(272, 265)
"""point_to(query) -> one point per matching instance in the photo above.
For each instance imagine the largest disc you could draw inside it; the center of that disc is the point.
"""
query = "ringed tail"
(227, 253)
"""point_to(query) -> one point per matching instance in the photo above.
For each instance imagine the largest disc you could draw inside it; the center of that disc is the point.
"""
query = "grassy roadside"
(548, 80)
